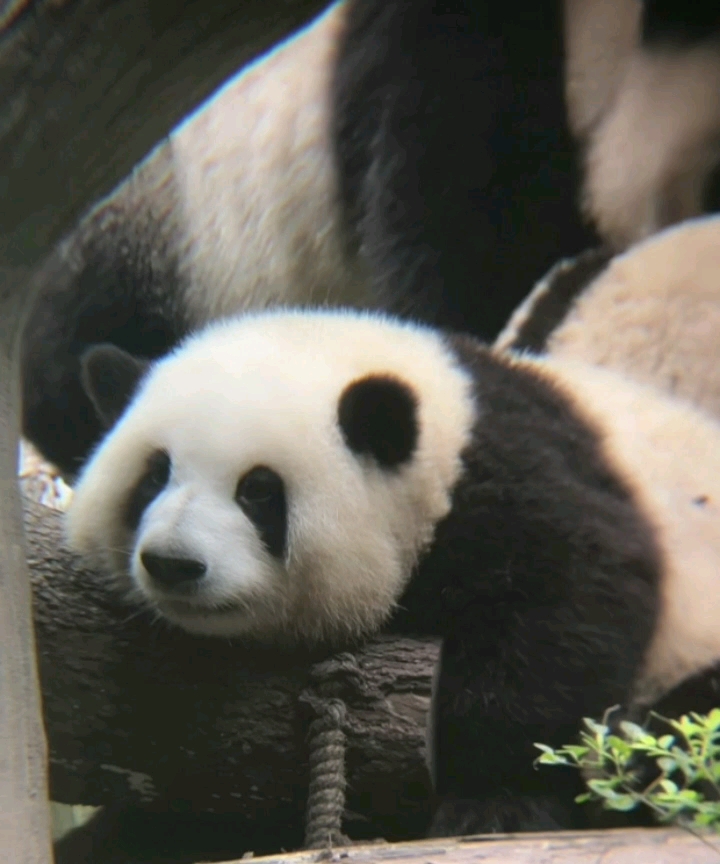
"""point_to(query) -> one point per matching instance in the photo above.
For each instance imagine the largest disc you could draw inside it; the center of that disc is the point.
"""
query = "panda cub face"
(278, 475)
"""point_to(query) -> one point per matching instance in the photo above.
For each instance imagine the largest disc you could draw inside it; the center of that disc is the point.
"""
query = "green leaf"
(713, 719)
(551, 759)
(605, 788)
(688, 795)
(619, 746)
(707, 818)
(686, 726)
(620, 802)
(632, 730)
(584, 798)
(597, 729)
(577, 751)
(690, 756)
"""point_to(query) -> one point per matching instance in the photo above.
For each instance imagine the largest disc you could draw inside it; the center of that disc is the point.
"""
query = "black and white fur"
(460, 169)
(652, 313)
(317, 476)
(389, 156)
(236, 210)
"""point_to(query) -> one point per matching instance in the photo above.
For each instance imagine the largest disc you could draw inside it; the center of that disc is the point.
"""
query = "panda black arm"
(542, 581)
(116, 280)
(675, 19)
(456, 167)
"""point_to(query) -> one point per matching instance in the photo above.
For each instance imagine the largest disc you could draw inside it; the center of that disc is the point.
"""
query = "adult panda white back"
(555, 523)
(257, 189)
(654, 314)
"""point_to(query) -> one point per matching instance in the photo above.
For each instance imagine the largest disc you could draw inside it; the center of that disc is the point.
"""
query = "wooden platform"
(626, 846)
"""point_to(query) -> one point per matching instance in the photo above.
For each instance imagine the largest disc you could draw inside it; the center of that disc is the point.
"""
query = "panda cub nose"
(172, 572)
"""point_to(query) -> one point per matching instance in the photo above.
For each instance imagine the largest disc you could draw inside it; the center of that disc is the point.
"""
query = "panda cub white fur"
(318, 475)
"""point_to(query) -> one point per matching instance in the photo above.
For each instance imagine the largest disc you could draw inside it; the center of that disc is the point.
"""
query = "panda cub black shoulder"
(320, 475)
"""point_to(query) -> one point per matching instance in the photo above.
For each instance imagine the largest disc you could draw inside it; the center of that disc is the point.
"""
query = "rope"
(326, 796)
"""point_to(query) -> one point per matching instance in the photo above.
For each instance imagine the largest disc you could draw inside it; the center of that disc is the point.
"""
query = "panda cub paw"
(462, 816)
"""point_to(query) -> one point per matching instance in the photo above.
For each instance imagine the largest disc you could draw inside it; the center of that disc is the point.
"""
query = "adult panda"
(399, 155)
(555, 523)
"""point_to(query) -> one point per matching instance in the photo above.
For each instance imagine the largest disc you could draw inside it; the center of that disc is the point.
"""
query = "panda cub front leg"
(486, 726)
(542, 581)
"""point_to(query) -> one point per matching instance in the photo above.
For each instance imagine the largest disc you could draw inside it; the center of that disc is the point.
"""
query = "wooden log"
(622, 846)
(141, 714)
(24, 813)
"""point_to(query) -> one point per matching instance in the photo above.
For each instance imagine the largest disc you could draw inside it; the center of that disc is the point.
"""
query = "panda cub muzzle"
(172, 562)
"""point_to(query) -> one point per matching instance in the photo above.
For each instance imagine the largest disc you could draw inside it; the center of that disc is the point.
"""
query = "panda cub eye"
(260, 494)
(154, 479)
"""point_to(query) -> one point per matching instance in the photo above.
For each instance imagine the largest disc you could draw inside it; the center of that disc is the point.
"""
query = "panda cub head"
(278, 475)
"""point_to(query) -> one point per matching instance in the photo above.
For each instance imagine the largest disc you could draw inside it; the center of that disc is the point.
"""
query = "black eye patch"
(149, 486)
(260, 494)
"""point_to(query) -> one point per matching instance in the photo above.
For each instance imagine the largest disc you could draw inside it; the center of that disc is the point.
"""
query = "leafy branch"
(685, 784)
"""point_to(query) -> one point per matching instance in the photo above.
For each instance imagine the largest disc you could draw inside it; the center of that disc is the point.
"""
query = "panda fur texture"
(388, 155)
(651, 156)
(652, 313)
(236, 210)
(465, 141)
(316, 476)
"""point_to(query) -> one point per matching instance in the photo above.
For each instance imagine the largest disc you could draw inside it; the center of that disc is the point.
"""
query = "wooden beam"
(623, 846)
(24, 813)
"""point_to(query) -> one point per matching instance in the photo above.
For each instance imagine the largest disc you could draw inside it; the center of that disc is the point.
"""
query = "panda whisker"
(125, 552)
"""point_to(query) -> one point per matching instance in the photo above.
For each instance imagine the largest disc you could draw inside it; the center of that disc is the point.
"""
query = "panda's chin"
(232, 619)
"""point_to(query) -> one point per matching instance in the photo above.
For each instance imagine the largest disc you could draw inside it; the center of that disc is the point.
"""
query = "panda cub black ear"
(378, 418)
(109, 377)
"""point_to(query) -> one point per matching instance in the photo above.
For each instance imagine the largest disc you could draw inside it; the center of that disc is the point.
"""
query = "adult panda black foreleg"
(457, 170)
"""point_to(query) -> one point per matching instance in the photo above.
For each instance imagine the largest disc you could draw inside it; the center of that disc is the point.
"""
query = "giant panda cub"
(319, 475)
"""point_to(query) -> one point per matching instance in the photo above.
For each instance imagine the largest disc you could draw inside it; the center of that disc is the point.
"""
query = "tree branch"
(138, 713)
(88, 87)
